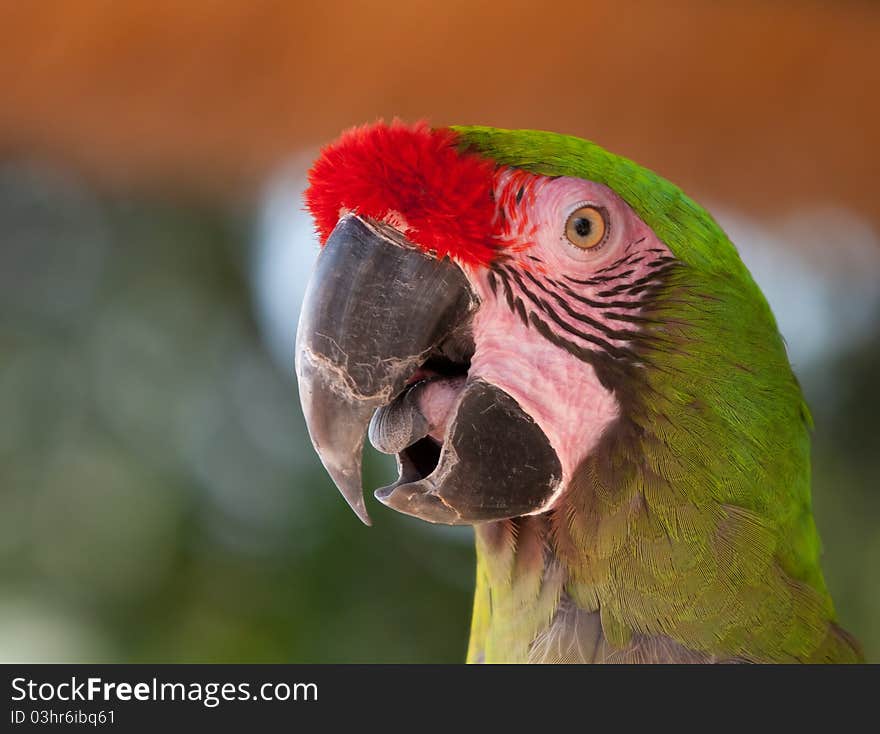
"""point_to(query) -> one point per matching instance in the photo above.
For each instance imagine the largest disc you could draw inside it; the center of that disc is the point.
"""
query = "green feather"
(688, 533)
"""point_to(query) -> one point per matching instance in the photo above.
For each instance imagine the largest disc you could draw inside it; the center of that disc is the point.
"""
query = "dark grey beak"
(382, 322)
(374, 310)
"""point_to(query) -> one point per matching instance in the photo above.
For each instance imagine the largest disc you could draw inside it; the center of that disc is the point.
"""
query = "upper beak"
(375, 308)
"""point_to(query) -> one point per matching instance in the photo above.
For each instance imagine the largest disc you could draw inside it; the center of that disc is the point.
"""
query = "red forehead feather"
(390, 171)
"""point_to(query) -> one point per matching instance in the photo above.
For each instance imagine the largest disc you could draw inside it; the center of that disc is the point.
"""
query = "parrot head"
(495, 307)
(565, 351)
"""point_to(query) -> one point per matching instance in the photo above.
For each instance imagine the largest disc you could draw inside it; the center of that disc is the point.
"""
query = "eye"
(586, 227)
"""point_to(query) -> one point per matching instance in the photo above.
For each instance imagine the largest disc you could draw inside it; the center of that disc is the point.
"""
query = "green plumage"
(688, 533)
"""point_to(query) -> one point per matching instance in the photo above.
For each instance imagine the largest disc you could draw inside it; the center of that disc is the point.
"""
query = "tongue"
(423, 409)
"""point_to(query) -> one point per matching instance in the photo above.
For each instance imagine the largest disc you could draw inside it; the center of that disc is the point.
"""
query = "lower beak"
(384, 326)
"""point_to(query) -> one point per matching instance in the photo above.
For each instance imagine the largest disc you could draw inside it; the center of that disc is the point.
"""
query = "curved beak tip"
(361, 511)
(344, 469)
(353, 494)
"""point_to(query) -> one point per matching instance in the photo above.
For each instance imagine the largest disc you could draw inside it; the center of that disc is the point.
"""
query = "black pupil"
(583, 226)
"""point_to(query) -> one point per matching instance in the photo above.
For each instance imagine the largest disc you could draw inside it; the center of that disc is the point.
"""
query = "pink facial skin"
(559, 390)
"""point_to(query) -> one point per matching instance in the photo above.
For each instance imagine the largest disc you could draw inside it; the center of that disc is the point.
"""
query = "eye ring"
(587, 227)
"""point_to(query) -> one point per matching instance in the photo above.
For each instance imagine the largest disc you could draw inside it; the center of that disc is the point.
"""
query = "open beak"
(382, 323)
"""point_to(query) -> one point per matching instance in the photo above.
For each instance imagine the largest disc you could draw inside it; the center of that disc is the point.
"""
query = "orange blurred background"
(159, 498)
(761, 104)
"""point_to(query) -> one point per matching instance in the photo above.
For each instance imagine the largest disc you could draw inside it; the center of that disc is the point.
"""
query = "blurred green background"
(159, 499)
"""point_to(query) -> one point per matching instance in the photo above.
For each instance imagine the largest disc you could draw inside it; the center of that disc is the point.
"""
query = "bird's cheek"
(560, 392)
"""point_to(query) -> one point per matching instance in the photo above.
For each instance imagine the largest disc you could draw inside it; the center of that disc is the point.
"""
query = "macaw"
(566, 352)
